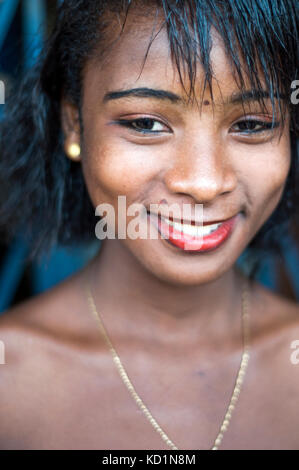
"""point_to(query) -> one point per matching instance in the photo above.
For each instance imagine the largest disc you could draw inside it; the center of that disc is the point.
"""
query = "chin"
(170, 271)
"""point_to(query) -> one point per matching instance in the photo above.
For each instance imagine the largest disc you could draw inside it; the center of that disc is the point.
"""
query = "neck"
(134, 303)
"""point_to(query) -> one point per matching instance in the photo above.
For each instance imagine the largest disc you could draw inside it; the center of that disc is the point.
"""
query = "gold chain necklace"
(128, 383)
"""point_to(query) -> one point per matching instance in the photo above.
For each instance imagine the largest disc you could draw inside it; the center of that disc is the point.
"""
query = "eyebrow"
(251, 95)
(143, 93)
(235, 98)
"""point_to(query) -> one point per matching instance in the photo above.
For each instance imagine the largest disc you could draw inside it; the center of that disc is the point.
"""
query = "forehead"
(141, 57)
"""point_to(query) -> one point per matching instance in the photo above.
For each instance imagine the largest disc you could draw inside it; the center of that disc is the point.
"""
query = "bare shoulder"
(43, 339)
(35, 328)
(52, 318)
(273, 312)
(275, 332)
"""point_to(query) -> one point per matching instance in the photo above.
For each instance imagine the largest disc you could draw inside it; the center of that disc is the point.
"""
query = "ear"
(70, 123)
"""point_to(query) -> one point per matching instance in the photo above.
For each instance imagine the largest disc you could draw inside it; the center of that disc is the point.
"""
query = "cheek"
(266, 177)
(114, 167)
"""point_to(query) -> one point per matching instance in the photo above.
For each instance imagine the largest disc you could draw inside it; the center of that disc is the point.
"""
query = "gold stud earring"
(74, 152)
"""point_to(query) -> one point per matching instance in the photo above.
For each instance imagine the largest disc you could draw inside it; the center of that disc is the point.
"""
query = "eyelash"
(129, 124)
(266, 125)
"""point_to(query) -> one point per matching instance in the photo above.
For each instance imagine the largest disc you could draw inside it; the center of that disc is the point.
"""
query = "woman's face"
(184, 156)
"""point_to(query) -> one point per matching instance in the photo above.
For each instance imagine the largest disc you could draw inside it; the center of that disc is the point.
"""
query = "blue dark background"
(24, 24)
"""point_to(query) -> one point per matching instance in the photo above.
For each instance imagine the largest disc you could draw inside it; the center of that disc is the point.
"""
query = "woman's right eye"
(144, 125)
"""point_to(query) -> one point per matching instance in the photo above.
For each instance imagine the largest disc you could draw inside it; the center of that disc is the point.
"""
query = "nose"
(202, 173)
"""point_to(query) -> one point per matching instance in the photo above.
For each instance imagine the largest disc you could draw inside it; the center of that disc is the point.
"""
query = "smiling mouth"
(193, 237)
(194, 230)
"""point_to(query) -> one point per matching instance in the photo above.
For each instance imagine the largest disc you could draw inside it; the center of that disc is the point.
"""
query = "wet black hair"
(43, 193)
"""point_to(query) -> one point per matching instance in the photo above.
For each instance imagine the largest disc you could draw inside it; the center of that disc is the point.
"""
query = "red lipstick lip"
(188, 243)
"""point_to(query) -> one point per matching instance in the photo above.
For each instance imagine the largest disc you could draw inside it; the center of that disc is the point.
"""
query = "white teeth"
(193, 230)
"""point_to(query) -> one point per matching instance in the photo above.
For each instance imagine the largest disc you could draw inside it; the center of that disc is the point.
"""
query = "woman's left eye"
(253, 126)
(144, 125)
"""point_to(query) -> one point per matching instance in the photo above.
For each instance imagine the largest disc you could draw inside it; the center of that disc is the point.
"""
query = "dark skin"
(173, 317)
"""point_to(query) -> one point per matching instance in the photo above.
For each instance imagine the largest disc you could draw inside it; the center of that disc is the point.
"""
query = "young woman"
(158, 343)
